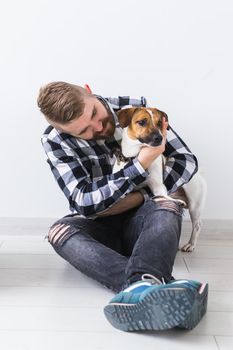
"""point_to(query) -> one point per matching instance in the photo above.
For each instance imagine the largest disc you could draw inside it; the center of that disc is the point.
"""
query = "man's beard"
(108, 129)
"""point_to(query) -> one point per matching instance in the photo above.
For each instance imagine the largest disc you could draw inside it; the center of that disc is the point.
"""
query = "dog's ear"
(161, 114)
(125, 115)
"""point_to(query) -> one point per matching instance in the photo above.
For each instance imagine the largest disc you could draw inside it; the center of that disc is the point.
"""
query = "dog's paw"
(159, 198)
(168, 198)
(181, 202)
(188, 248)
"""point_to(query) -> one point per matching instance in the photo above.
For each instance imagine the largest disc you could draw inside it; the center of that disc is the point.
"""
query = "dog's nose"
(158, 138)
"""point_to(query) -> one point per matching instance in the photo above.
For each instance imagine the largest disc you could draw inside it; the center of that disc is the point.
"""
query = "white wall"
(178, 54)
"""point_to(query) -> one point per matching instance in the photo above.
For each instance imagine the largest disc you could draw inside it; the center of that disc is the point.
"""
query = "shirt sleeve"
(180, 164)
(123, 101)
(85, 196)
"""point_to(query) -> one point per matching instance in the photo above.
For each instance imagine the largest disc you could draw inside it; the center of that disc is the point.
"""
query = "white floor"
(46, 304)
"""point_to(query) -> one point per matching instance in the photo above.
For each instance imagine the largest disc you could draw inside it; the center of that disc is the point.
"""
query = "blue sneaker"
(150, 304)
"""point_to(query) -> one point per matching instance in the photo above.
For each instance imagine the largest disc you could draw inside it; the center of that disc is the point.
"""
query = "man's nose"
(97, 125)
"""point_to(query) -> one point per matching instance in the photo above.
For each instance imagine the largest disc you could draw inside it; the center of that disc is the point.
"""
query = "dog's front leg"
(155, 179)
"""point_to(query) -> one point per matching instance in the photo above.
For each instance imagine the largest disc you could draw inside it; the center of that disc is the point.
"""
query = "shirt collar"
(109, 107)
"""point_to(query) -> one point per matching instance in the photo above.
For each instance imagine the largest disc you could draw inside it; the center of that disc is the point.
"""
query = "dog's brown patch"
(141, 121)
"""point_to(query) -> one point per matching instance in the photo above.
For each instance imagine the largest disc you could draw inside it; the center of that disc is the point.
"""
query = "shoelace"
(152, 279)
(193, 284)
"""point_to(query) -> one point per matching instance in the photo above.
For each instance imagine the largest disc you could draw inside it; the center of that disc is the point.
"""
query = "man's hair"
(61, 102)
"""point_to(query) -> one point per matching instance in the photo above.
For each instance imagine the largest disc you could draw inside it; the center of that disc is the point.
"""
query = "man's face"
(95, 123)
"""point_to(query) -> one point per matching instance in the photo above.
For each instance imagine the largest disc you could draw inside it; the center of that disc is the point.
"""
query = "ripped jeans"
(117, 250)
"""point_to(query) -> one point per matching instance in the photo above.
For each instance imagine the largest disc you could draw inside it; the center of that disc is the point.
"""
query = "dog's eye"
(141, 122)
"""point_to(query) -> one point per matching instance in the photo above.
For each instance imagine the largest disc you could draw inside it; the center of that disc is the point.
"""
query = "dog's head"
(144, 124)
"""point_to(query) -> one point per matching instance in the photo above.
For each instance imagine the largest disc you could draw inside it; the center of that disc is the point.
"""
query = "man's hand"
(148, 154)
(131, 201)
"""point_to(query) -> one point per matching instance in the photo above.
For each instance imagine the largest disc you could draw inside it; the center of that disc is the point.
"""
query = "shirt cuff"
(145, 193)
(135, 172)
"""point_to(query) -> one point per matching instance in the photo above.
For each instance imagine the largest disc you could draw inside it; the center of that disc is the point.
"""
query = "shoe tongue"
(151, 279)
(138, 287)
(146, 281)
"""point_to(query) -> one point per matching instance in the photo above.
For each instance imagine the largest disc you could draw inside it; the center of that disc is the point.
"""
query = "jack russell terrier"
(142, 127)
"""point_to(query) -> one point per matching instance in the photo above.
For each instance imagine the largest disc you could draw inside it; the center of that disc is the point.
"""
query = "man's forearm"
(131, 201)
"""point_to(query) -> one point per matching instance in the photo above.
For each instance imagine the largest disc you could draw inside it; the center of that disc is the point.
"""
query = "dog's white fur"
(195, 189)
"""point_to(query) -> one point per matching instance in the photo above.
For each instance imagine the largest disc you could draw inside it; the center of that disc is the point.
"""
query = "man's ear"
(125, 115)
(87, 88)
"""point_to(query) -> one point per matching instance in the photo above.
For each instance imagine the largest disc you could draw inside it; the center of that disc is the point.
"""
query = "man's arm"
(86, 196)
(131, 201)
(181, 163)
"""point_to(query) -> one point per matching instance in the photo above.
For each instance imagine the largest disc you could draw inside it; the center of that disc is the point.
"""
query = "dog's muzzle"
(154, 139)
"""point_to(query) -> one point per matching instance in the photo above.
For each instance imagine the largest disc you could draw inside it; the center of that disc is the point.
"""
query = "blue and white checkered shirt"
(83, 169)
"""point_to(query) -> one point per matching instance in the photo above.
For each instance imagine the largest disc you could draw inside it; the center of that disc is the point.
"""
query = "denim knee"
(61, 230)
(151, 206)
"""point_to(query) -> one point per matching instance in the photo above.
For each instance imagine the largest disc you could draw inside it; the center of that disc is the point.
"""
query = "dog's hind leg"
(196, 193)
(196, 229)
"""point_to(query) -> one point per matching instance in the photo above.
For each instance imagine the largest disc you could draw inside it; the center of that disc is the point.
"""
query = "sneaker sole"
(160, 309)
(198, 310)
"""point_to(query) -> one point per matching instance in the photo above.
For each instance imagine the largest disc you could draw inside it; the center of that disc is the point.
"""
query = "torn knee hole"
(57, 232)
(171, 205)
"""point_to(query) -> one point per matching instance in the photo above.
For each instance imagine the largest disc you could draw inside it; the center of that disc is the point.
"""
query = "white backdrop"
(178, 54)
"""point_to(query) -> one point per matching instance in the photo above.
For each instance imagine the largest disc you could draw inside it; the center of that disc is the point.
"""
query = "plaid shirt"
(83, 169)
